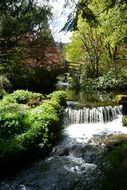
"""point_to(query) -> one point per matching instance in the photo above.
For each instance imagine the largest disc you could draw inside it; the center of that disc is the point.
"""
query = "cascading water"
(75, 162)
(92, 115)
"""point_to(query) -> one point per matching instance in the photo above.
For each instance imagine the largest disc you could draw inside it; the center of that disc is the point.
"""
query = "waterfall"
(92, 115)
(76, 161)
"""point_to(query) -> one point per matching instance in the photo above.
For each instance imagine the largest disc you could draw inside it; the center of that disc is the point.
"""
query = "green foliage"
(30, 77)
(73, 50)
(23, 97)
(42, 120)
(58, 96)
(19, 19)
(25, 42)
(99, 47)
(116, 156)
(9, 149)
(12, 119)
(121, 98)
(109, 81)
(74, 79)
(87, 12)
(86, 48)
(29, 129)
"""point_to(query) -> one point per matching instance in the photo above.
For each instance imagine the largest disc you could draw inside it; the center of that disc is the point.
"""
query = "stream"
(76, 162)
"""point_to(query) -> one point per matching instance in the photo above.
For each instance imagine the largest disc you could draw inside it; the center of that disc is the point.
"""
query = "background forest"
(29, 56)
(97, 53)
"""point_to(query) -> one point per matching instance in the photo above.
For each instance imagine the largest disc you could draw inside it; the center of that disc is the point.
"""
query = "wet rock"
(22, 187)
(7, 186)
(61, 151)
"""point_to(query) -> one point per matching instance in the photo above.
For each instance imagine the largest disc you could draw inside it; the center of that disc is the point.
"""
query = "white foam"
(84, 132)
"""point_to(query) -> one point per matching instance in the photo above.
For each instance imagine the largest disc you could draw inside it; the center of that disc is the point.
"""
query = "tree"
(25, 40)
(83, 8)
(98, 45)
(18, 20)
(86, 48)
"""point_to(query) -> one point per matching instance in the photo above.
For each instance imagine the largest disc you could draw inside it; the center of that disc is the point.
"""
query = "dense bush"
(23, 97)
(74, 79)
(23, 128)
(43, 120)
(108, 82)
(12, 119)
(59, 96)
(31, 77)
(112, 80)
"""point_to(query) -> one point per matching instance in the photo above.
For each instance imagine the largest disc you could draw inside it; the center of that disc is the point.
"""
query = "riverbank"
(76, 162)
(116, 158)
(83, 157)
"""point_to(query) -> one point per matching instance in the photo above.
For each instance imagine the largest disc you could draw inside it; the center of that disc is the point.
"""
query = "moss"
(119, 97)
(124, 120)
(115, 140)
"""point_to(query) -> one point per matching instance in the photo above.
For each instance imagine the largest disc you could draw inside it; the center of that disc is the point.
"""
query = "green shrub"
(44, 122)
(110, 81)
(12, 119)
(34, 78)
(9, 149)
(74, 80)
(29, 129)
(35, 138)
(23, 97)
(59, 96)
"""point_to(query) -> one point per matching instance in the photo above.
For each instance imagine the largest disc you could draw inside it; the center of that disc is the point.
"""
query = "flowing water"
(76, 163)
(92, 115)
